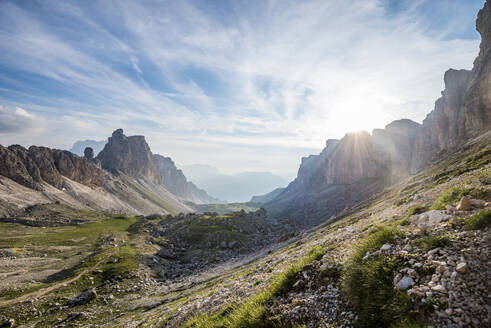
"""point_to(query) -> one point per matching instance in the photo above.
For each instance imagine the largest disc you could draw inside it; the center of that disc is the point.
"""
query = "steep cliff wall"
(130, 155)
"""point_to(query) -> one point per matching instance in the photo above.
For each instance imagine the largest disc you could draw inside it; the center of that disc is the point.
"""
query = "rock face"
(351, 169)
(130, 155)
(31, 167)
(175, 181)
(347, 171)
(464, 109)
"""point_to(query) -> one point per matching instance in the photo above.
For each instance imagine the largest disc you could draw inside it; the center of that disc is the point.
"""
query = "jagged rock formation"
(349, 171)
(41, 175)
(464, 110)
(130, 155)
(175, 181)
(31, 167)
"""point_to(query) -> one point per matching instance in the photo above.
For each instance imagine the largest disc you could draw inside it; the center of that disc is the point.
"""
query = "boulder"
(464, 204)
(405, 283)
(85, 297)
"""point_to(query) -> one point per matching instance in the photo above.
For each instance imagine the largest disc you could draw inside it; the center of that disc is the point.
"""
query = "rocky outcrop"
(31, 167)
(130, 155)
(464, 109)
(175, 181)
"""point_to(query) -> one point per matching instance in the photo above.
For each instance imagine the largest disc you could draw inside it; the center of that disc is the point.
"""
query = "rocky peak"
(89, 154)
(130, 155)
(403, 127)
(31, 167)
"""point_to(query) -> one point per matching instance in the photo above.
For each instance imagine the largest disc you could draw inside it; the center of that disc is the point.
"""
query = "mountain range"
(232, 187)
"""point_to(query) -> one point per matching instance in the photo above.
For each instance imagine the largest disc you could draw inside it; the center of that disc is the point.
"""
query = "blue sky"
(240, 85)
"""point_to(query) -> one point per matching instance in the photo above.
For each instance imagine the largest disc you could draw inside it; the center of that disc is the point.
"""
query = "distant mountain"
(79, 146)
(176, 182)
(261, 199)
(238, 187)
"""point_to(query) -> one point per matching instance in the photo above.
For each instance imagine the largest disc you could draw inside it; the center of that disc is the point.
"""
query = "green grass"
(450, 196)
(69, 235)
(431, 242)
(479, 220)
(418, 209)
(368, 284)
(253, 311)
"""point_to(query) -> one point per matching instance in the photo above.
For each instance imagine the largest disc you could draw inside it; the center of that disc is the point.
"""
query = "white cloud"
(290, 74)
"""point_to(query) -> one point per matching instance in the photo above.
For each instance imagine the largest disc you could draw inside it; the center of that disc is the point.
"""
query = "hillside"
(122, 179)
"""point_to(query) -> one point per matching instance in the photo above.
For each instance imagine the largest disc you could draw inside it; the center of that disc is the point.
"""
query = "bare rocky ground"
(108, 272)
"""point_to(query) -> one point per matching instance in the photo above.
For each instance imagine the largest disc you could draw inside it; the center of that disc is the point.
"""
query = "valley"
(384, 229)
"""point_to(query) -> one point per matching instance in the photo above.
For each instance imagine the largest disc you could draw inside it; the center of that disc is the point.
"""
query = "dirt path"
(44, 291)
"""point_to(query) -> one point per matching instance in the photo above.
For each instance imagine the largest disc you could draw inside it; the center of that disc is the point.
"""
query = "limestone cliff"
(130, 155)
(31, 167)
(175, 182)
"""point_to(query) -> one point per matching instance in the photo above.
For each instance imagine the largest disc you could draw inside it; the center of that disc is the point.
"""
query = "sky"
(244, 85)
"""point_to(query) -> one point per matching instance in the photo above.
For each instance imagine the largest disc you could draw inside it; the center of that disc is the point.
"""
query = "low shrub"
(479, 221)
(368, 284)
(431, 242)
(418, 209)
(451, 195)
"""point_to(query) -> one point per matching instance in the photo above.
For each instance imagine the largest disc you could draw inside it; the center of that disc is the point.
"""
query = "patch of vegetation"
(479, 221)
(368, 283)
(431, 242)
(451, 195)
(252, 312)
(122, 263)
(485, 176)
(480, 193)
(418, 209)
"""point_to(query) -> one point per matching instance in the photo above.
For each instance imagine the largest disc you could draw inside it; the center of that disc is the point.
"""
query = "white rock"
(439, 288)
(405, 283)
(461, 267)
(385, 247)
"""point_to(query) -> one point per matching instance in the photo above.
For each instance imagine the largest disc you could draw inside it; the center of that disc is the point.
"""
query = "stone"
(439, 289)
(385, 247)
(461, 267)
(166, 253)
(464, 204)
(9, 323)
(84, 297)
(405, 283)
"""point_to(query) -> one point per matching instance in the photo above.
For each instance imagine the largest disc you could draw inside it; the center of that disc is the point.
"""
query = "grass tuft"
(252, 312)
(368, 283)
(479, 221)
(451, 195)
(431, 242)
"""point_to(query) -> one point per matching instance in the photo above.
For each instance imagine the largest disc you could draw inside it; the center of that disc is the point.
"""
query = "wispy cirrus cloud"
(240, 85)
